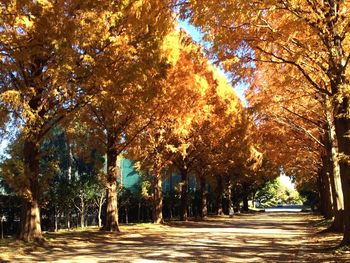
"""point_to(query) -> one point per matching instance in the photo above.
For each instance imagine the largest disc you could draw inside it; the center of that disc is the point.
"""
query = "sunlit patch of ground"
(263, 237)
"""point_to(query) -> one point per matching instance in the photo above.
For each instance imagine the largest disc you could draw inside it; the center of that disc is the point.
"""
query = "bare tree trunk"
(343, 128)
(171, 191)
(245, 207)
(68, 219)
(203, 195)
(55, 219)
(2, 227)
(158, 199)
(31, 228)
(229, 197)
(139, 212)
(100, 204)
(184, 197)
(126, 215)
(219, 192)
(335, 172)
(111, 222)
(82, 212)
(253, 198)
(326, 201)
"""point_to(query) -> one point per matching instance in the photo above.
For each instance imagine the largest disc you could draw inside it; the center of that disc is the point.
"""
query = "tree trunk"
(68, 219)
(158, 199)
(171, 199)
(139, 212)
(126, 215)
(335, 172)
(100, 204)
(203, 195)
(253, 198)
(55, 219)
(82, 212)
(2, 227)
(111, 222)
(245, 202)
(229, 198)
(326, 200)
(343, 127)
(183, 201)
(30, 226)
(219, 192)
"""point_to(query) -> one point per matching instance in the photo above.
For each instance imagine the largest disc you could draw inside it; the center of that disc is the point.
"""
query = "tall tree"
(52, 53)
(309, 37)
(129, 80)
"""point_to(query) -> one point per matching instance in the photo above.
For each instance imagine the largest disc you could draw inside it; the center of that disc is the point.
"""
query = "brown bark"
(219, 192)
(126, 215)
(229, 198)
(158, 199)
(332, 152)
(245, 207)
(56, 220)
(183, 201)
(100, 204)
(139, 212)
(111, 222)
(340, 84)
(203, 195)
(343, 127)
(82, 212)
(171, 191)
(30, 225)
(326, 202)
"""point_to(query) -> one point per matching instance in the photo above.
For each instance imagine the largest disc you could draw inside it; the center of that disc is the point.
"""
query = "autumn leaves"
(119, 78)
(295, 55)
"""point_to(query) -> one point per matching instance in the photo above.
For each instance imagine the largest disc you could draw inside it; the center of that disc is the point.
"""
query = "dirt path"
(265, 237)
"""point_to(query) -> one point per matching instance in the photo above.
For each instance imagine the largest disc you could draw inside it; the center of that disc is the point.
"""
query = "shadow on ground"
(277, 237)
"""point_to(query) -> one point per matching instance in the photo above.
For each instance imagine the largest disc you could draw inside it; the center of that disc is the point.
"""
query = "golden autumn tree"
(304, 123)
(129, 81)
(212, 139)
(52, 55)
(181, 99)
(308, 37)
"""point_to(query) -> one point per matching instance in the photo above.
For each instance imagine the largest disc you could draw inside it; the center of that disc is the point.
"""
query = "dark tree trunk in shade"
(219, 193)
(30, 224)
(171, 191)
(184, 196)
(158, 199)
(326, 203)
(203, 197)
(245, 202)
(229, 198)
(343, 128)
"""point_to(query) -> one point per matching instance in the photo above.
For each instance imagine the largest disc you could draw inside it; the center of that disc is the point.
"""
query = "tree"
(129, 80)
(304, 123)
(173, 110)
(48, 58)
(309, 38)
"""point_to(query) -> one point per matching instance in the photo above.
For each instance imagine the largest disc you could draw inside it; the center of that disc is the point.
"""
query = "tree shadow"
(255, 238)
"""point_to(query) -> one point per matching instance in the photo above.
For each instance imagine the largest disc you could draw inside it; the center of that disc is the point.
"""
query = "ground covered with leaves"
(260, 237)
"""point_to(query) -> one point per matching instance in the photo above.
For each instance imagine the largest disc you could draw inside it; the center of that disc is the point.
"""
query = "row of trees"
(115, 78)
(295, 56)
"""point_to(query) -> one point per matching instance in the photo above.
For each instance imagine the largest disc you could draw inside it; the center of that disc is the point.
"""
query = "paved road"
(262, 237)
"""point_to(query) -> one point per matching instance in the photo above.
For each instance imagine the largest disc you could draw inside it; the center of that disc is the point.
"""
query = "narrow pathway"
(263, 237)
